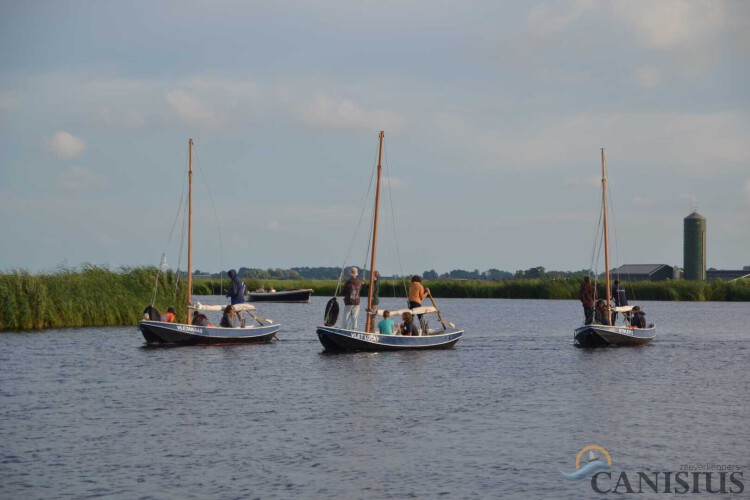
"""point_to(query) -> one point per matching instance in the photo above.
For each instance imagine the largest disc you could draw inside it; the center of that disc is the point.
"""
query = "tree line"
(333, 273)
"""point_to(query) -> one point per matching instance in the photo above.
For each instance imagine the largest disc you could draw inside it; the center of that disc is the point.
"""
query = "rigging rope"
(218, 222)
(163, 262)
(356, 232)
(393, 225)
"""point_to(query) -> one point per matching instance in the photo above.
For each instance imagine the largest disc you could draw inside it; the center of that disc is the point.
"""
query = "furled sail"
(209, 307)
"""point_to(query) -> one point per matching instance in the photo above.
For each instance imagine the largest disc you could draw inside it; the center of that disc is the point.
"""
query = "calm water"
(93, 413)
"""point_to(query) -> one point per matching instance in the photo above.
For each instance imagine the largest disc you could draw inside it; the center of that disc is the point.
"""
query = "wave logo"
(598, 460)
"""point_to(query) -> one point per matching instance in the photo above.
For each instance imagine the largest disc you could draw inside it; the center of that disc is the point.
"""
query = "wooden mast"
(608, 292)
(190, 229)
(370, 288)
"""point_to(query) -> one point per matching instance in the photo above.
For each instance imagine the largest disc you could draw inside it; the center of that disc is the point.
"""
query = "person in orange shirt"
(417, 293)
(168, 317)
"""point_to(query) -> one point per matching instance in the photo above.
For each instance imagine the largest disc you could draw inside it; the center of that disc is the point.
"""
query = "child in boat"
(168, 317)
(408, 327)
(386, 325)
(600, 313)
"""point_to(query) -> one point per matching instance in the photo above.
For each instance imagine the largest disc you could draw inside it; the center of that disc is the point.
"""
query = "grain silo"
(695, 247)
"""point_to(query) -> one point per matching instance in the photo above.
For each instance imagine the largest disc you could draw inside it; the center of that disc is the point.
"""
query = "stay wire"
(169, 238)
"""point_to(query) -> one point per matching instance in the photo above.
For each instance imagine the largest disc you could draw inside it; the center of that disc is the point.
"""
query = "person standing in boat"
(375, 284)
(236, 293)
(587, 296)
(417, 294)
(351, 291)
(618, 294)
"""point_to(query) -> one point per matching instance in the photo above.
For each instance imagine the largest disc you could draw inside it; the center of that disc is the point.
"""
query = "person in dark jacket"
(200, 319)
(375, 283)
(351, 291)
(618, 295)
(587, 296)
(637, 318)
(236, 293)
(408, 327)
(151, 313)
(229, 319)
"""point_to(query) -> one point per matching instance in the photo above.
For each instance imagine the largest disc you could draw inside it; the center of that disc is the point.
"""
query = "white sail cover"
(622, 309)
(416, 310)
(208, 307)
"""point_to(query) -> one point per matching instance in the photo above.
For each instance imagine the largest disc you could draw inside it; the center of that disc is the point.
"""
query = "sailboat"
(334, 338)
(599, 335)
(161, 332)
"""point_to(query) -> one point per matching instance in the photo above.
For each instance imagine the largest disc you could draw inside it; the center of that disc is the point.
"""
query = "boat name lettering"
(190, 329)
(365, 336)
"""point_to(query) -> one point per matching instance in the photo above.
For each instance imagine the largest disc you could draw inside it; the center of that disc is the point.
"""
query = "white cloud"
(642, 202)
(394, 182)
(648, 77)
(672, 24)
(273, 225)
(79, 179)
(192, 110)
(65, 145)
(586, 182)
(545, 21)
(325, 112)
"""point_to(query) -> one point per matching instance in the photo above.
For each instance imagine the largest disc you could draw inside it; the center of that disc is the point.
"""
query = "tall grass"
(95, 296)
(91, 296)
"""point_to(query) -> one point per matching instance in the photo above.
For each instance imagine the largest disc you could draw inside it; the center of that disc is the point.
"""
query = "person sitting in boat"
(200, 319)
(417, 293)
(637, 318)
(229, 319)
(168, 317)
(151, 313)
(351, 292)
(600, 313)
(587, 296)
(408, 327)
(386, 325)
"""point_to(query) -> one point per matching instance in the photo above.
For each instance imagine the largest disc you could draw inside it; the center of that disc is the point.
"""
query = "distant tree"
(430, 275)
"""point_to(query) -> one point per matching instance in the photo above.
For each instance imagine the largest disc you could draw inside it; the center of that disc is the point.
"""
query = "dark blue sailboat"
(161, 332)
(338, 339)
(601, 335)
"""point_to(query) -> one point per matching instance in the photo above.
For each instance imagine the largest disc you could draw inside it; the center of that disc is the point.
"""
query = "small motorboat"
(300, 295)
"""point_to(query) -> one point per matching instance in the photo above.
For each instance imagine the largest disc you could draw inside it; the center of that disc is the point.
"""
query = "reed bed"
(96, 296)
(90, 296)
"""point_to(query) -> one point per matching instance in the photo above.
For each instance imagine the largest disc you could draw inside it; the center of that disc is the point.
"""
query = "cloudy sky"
(494, 113)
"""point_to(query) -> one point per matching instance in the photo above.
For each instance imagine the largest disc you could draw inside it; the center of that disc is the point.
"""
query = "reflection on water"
(89, 412)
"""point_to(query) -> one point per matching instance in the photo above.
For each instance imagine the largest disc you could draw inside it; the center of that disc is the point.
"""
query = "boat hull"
(341, 340)
(158, 332)
(609, 336)
(285, 296)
